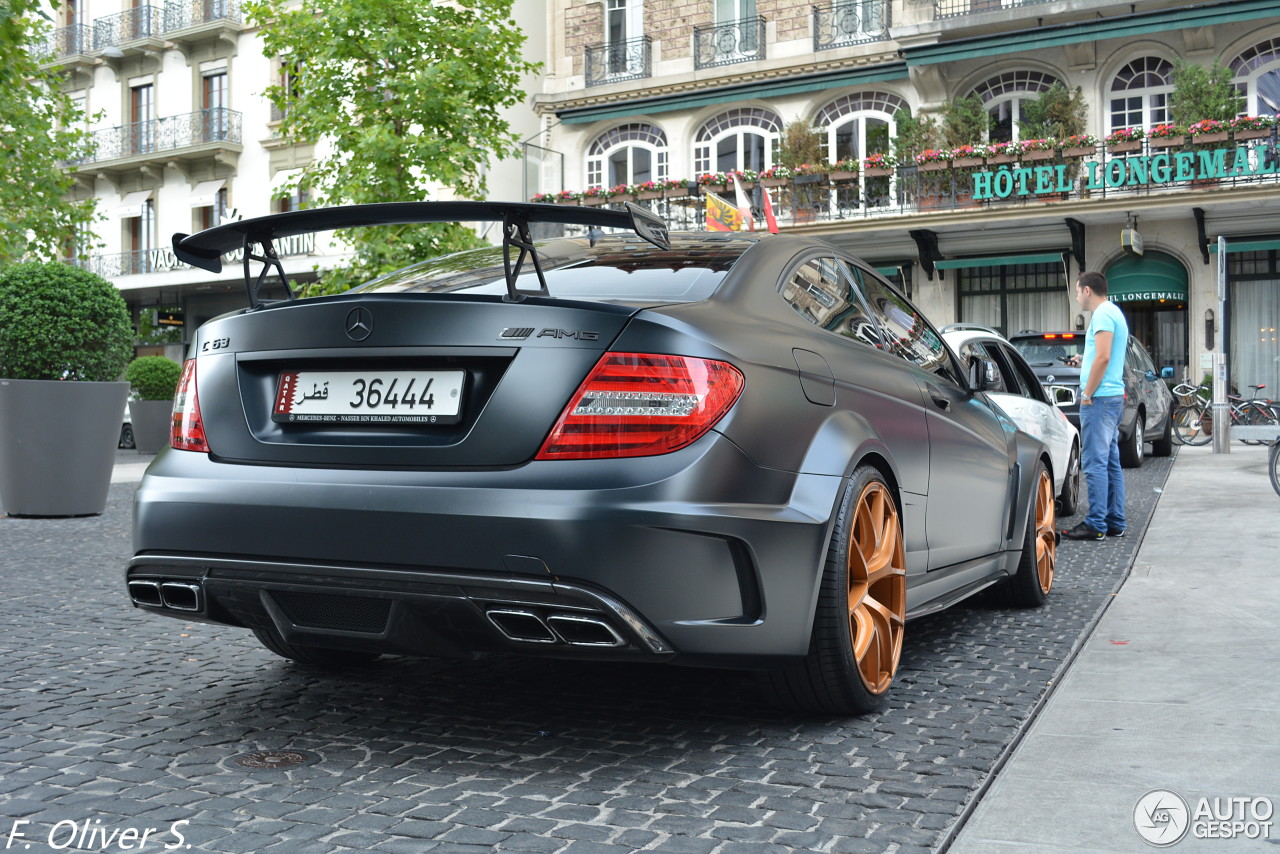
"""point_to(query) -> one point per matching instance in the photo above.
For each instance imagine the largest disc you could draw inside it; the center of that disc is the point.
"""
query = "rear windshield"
(624, 268)
(1045, 351)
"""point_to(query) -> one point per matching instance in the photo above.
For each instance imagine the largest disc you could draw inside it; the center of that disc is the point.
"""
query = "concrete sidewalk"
(1175, 690)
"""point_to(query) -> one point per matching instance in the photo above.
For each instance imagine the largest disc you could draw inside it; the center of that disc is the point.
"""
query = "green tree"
(39, 129)
(407, 95)
(1201, 93)
(801, 144)
(915, 134)
(1057, 114)
(964, 122)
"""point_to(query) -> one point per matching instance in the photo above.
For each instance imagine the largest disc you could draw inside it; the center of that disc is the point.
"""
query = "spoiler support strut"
(268, 259)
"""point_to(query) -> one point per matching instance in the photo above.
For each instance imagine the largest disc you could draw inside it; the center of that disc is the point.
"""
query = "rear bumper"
(700, 555)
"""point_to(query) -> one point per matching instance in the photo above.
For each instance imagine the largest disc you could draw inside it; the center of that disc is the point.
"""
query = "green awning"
(1099, 29)
(999, 261)
(1246, 246)
(888, 272)
(1152, 277)
(733, 94)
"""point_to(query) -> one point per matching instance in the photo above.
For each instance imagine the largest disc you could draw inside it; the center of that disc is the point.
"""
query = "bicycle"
(1193, 417)
(1273, 464)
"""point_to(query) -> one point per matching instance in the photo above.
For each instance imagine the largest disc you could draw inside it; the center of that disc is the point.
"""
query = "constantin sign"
(1121, 172)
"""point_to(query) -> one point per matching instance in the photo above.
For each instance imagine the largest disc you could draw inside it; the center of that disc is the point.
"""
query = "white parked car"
(1015, 389)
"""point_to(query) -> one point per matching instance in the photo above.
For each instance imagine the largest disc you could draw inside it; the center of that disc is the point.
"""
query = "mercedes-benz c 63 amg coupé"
(722, 450)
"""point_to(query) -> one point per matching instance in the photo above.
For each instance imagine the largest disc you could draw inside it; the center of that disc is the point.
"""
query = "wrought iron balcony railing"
(958, 8)
(217, 124)
(141, 23)
(613, 63)
(192, 13)
(64, 42)
(728, 43)
(842, 24)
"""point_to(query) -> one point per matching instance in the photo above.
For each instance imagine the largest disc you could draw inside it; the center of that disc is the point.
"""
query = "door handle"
(939, 399)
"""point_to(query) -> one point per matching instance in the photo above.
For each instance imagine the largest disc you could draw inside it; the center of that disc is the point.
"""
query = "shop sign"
(162, 260)
(1148, 296)
(1120, 172)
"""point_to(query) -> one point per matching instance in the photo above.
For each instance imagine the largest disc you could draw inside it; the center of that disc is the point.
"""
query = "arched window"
(1257, 73)
(1005, 97)
(628, 154)
(1140, 93)
(860, 124)
(737, 139)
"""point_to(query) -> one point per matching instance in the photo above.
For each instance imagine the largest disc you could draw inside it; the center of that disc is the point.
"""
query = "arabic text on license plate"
(369, 397)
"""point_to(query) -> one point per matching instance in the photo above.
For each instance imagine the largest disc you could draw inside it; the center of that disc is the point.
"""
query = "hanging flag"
(721, 216)
(768, 212)
(744, 205)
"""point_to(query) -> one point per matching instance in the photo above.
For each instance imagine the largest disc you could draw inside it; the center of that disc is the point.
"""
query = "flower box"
(935, 166)
(1167, 141)
(1217, 136)
(773, 182)
(1253, 133)
(1121, 147)
(1001, 158)
(968, 161)
(811, 178)
(1080, 151)
(1036, 155)
(645, 195)
(568, 201)
(747, 185)
(593, 201)
(877, 172)
(843, 176)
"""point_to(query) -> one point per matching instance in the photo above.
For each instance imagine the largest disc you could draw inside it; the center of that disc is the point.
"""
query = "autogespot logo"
(1161, 817)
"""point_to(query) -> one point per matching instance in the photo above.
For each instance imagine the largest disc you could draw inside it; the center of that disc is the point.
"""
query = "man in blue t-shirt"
(1101, 405)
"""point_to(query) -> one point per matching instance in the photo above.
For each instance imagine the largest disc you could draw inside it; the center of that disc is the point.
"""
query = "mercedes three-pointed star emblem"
(359, 324)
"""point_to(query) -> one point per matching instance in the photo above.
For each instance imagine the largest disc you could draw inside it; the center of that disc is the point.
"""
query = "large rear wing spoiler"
(205, 249)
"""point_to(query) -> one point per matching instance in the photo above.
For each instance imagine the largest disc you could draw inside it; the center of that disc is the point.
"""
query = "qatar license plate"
(369, 397)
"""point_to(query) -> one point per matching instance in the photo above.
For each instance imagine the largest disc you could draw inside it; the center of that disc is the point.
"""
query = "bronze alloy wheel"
(1046, 538)
(1029, 585)
(878, 586)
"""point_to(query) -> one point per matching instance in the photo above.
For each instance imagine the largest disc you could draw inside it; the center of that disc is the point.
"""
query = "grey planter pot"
(151, 422)
(57, 445)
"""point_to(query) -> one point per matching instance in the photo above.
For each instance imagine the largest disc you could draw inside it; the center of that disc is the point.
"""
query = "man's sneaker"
(1117, 532)
(1083, 532)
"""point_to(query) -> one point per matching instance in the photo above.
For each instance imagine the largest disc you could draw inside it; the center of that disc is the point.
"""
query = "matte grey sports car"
(718, 450)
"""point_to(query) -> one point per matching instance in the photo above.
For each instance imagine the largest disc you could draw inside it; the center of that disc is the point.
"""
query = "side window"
(1008, 376)
(821, 291)
(1031, 386)
(909, 335)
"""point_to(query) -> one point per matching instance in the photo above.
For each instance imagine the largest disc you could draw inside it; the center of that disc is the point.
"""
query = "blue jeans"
(1100, 462)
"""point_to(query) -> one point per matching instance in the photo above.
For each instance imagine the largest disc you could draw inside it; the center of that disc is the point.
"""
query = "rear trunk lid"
(396, 380)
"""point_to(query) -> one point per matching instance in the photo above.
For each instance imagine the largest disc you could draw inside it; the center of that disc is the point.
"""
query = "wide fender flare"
(844, 442)
(1029, 452)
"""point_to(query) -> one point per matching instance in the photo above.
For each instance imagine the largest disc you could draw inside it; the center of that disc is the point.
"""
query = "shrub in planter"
(153, 377)
(61, 323)
(153, 380)
(65, 337)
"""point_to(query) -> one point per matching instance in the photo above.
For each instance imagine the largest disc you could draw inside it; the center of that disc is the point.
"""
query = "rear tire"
(1029, 587)
(858, 627)
(1069, 500)
(1163, 447)
(1133, 448)
(315, 656)
(126, 437)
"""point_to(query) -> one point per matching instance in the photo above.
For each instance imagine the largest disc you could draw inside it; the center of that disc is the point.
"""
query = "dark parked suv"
(1147, 401)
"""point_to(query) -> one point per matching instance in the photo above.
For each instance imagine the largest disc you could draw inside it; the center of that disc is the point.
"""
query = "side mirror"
(1166, 373)
(979, 376)
(1062, 395)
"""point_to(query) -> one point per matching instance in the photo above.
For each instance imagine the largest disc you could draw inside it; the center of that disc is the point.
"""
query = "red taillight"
(187, 430)
(640, 404)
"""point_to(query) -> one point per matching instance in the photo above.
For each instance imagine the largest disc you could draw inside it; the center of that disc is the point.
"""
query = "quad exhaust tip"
(572, 629)
(174, 595)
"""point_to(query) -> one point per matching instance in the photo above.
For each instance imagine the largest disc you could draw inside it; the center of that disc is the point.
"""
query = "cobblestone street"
(122, 720)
